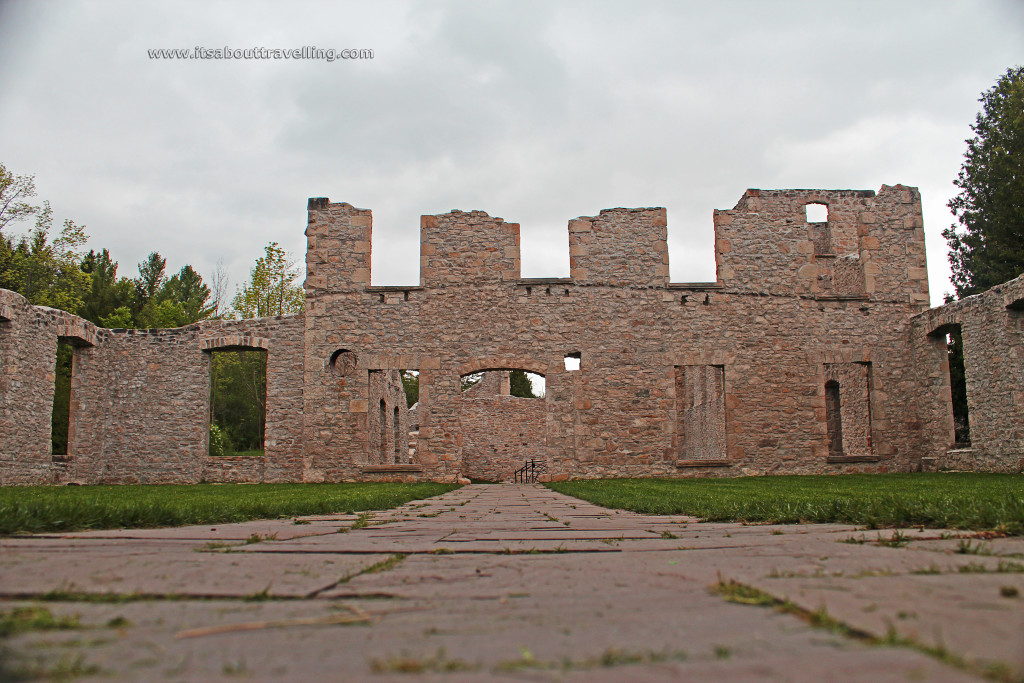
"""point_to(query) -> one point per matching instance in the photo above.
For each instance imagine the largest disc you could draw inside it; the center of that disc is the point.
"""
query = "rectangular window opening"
(958, 387)
(61, 417)
(238, 402)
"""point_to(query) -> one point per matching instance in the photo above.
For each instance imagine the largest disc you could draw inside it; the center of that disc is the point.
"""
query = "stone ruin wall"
(28, 350)
(675, 379)
(139, 400)
(992, 328)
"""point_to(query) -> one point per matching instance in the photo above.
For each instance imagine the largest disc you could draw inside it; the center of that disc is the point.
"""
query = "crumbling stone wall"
(992, 328)
(144, 407)
(675, 379)
(772, 321)
(28, 355)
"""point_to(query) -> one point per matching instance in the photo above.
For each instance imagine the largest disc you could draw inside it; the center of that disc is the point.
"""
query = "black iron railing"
(527, 474)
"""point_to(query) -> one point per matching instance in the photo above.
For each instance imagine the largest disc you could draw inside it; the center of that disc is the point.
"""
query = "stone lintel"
(367, 469)
(836, 459)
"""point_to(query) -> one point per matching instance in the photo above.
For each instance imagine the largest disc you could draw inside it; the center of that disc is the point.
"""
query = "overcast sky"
(537, 112)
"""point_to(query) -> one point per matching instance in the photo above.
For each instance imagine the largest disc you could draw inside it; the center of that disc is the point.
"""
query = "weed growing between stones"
(33, 618)
(897, 540)
(733, 591)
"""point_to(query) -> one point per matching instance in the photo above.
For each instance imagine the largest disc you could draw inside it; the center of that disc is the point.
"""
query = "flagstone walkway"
(505, 582)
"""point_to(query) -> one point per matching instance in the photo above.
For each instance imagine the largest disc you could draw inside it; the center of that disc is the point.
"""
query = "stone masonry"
(813, 352)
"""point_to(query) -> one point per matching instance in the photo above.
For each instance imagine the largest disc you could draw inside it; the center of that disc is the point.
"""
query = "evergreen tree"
(988, 246)
(107, 293)
(519, 384)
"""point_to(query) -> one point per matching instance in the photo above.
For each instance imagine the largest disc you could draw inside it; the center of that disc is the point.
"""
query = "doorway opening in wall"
(61, 418)
(502, 417)
(958, 387)
(238, 401)
(411, 387)
(393, 420)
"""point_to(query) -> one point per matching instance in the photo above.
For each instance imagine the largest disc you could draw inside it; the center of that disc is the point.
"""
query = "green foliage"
(216, 440)
(271, 289)
(238, 398)
(519, 384)
(190, 296)
(48, 508)
(988, 246)
(108, 297)
(159, 301)
(43, 271)
(411, 384)
(955, 501)
(119, 318)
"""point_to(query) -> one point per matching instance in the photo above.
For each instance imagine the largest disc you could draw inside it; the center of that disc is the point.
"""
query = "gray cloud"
(534, 111)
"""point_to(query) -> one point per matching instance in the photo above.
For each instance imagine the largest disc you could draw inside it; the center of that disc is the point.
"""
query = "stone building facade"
(814, 351)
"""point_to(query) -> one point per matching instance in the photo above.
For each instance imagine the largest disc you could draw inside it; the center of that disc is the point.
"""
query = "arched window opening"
(343, 362)
(573, 361)
(834, 418)
(238, 401)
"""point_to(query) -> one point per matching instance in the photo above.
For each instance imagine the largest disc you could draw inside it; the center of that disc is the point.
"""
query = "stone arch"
(231, 342)
(503, 363)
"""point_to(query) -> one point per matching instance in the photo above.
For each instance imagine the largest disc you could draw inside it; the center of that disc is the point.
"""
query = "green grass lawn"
(68, 508)
(956, 501)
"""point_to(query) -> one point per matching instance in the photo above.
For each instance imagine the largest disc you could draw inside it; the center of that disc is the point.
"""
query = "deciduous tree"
(271, 289)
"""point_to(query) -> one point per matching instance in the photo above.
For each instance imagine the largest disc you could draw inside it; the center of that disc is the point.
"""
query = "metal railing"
(527, 474)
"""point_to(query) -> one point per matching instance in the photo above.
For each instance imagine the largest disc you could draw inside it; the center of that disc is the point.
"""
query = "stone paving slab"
(484, 584)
